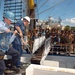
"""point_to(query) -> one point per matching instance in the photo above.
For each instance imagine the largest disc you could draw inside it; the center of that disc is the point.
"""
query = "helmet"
(9, 15)
(27, 18)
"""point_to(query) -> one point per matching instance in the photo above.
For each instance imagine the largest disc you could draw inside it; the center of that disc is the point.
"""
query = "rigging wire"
(37, 9)
(48, 14)
(63, 13)
(42, 4)
(0, 3)
(51, 7)
(64, 7)
(40, 7)
(54, 6)
(67, 12)
(39, 1)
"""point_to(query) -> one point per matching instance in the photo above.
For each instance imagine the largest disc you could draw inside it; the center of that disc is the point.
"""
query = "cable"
(54, 6)
(39, 2)
(37, 9)
(42, 4)
(51, 7)
(64, 7)
(0, 3)
(67, 12)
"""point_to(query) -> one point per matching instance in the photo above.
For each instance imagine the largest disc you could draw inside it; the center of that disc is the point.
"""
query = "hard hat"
(9, 15)
(27, 18)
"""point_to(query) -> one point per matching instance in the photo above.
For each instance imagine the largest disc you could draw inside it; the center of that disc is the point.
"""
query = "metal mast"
(31, 12)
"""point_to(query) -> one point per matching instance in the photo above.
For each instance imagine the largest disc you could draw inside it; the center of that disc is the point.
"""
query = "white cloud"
(70, 22)
(53, 19)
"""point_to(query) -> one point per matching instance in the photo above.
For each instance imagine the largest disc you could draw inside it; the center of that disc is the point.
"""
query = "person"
(6, 38)
(20, 26)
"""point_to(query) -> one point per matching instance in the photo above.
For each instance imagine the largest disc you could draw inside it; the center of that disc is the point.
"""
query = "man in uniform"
(20, 26)
(6, 38)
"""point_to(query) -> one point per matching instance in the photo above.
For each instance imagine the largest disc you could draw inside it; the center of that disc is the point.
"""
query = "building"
(16, 6)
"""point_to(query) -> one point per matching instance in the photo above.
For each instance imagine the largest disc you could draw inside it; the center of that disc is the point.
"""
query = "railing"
(63, 48)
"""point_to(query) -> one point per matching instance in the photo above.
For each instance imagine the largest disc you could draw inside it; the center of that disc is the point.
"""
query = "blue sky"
(65, 9)
(1, 9)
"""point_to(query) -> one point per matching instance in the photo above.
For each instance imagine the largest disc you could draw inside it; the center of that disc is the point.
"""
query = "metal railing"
(63, 48)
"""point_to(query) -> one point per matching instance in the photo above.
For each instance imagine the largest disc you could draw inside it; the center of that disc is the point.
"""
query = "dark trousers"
(14, 53)
(18, 46)
(2, 64)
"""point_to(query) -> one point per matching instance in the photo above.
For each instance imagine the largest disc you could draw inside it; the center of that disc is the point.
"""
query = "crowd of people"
(62, 40)
(59, 38)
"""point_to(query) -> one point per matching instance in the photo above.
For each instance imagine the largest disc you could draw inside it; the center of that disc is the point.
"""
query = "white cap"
(27, 18)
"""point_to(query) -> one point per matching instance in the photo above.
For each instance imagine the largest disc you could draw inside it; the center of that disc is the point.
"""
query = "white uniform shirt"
(3, 28)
